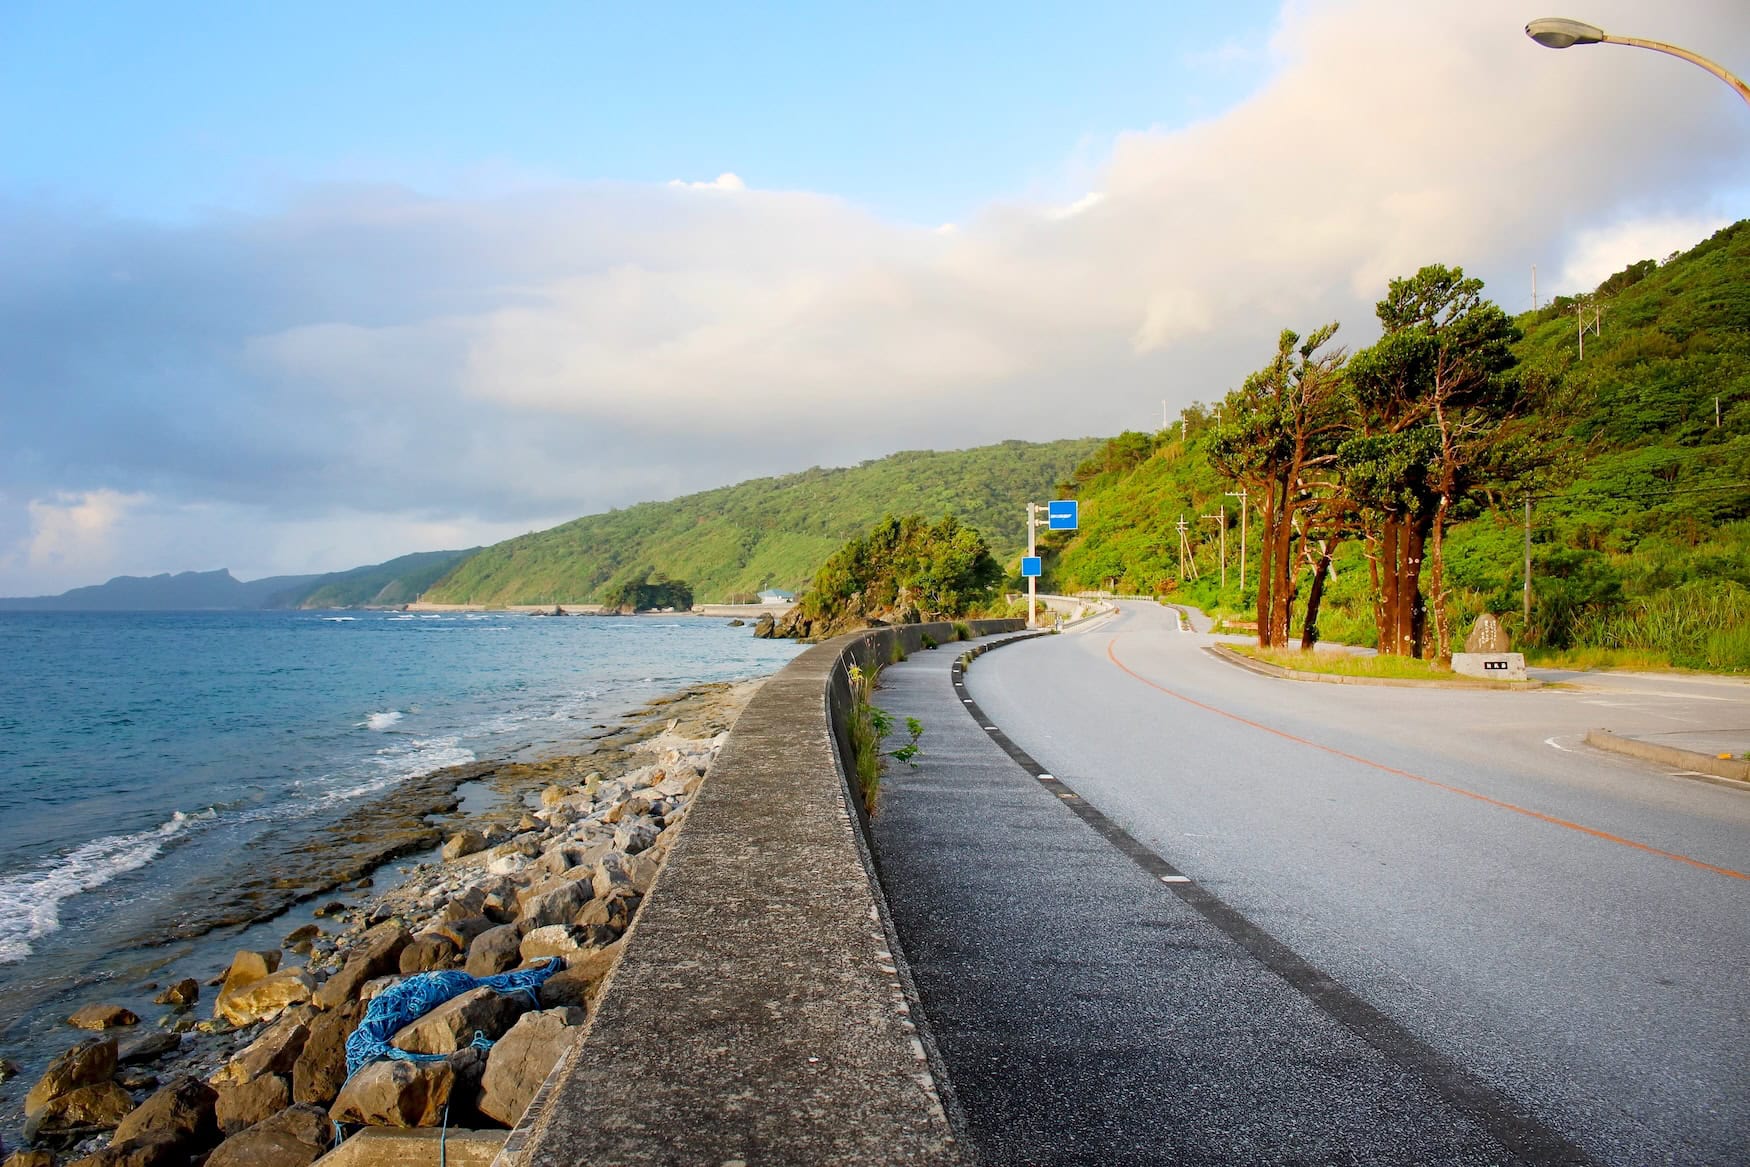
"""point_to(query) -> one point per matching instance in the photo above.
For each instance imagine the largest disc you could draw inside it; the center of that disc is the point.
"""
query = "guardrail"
(761, 1012)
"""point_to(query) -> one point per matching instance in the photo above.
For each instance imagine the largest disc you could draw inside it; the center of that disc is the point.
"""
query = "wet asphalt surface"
(1086, 1010)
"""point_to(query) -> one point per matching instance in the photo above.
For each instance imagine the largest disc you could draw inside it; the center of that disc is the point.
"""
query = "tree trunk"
(1282, 595)
(1437, 586)
(1389, 575)
(1265, 573)
(1410, 587)
(1309, 632)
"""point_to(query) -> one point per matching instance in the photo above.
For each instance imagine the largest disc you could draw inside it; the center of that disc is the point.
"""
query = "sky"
(295, 288)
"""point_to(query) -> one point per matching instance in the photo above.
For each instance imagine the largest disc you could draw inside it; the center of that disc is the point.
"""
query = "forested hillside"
(1636, 457)
(770, 532)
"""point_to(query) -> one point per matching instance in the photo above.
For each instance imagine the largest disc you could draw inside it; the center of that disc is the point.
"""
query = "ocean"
(151, 761)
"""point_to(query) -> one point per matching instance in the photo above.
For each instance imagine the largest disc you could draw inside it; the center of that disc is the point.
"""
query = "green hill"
(398, 581)
(1641, 528)
(769, 532)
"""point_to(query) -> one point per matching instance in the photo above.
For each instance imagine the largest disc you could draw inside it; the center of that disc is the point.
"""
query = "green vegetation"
(651, 592)
(1383, 666)
(399, 581)
(1640, 489)
(904, 570)
(869, 727)
(770, 532)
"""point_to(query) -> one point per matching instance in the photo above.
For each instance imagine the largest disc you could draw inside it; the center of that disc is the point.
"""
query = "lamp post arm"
(1719, 71)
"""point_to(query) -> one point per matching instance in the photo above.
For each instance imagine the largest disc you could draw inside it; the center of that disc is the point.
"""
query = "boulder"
(180, 1113)
(377, 952)
(321, 1067)
(521, 1060)
(635, 835)
(394, 1093)
(553, 795)
(29, 1159)
(136, 1153)
(180, 995)
(259, 999)
(468, 902)
(147, 1047)
(564, 940)
(611, 873)
(463, 843)
(427, 952)
(276, 1051)
(79, 1112)
(513, 863)
(135, 1079)
(301, 938)
(240, 1107)
(461, 932)
(246, 967)
(494, 951)
(452, 1025)
(615, 912)
(559, 905)
(580, 981)
(103, 1017)
(295, 1137)
(88, 1063)
(641, 869)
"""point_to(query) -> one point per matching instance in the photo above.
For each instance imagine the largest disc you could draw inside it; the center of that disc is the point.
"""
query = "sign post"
(1060, 515)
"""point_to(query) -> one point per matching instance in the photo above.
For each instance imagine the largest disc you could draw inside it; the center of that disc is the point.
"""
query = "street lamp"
(1555, 32)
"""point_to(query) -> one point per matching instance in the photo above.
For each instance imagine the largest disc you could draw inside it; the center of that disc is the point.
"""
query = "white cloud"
(489, 363)
(1599, 253)
(72, 535)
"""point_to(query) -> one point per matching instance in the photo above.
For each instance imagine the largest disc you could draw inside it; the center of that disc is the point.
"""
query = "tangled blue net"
(418, 995)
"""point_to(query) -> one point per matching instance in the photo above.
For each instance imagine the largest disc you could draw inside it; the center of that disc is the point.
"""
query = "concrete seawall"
(760, 1014)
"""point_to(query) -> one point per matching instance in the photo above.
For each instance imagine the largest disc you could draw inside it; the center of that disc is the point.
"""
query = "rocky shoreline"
(263, 1078)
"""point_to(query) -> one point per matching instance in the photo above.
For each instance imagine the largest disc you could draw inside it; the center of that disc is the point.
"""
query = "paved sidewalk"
(1085, 1013)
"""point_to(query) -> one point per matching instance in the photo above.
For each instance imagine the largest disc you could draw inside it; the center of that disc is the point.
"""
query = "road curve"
(1569, 929)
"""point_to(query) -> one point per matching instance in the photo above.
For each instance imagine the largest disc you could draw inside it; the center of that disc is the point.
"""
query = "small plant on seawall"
(962, 630)
(929, 641)
(898, 655)
(869, 725)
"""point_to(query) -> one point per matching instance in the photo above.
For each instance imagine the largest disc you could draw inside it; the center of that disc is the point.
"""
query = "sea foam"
(30, 902)
(382, 721)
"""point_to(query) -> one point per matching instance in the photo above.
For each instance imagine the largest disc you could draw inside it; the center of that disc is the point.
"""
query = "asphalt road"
(1529, 938)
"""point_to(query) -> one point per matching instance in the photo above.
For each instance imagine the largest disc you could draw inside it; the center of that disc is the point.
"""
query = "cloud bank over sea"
(370, 370)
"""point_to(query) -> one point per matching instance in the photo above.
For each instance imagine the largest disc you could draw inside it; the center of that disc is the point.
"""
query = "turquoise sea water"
(143, 753)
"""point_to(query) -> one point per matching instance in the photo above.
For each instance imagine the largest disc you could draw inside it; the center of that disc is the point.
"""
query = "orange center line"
(1112, 655)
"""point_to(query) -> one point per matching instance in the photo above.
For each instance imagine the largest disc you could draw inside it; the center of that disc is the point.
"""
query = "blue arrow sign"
(1062, 514)
(1032, 565)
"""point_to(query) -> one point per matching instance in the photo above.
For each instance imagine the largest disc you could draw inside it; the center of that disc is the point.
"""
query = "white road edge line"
(1555, 745)
(1175, 879)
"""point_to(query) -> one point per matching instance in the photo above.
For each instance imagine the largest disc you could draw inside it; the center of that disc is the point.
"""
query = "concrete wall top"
(758, 1014)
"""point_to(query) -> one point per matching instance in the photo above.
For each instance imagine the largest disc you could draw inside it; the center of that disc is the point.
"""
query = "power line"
(1651, 492)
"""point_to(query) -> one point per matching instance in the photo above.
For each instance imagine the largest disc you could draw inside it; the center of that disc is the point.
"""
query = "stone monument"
(1485, 653)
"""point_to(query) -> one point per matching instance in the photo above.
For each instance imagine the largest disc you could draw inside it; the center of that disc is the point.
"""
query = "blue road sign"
(1062, 514)
(1032, 565)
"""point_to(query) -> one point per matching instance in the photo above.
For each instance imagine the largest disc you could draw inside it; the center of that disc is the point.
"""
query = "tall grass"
(1703, 624)
(869, 726)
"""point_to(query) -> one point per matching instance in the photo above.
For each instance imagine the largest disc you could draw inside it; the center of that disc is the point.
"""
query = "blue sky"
(291, 288)
(920, 112)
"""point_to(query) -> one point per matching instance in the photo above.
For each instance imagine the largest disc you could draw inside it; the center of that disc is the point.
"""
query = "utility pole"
(1527, 595)
(1187, 561)
(1220, 518)
(1032, 581)
(1241, 495)
(1534, 287)
(1164, 422)
(1716, 411)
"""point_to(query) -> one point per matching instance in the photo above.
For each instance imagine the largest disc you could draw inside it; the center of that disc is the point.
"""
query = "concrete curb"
(761, 1012)
(1733, 770)
(1224, 653)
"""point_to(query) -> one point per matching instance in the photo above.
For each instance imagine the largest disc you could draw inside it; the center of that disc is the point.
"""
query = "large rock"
(564, 940)
(427, 952)
(614, 913)
(396, 1093)
(521, 1060)
(559, 905)
(180, 1113)
(262, 998)
(248, 966)
(103, 1017)
(242, 1106)
(377, 953)
(452, 1025)
(321, 1067)
(463, 843)
(136, 1153)
(494, 951)
(580, 981)
(85, 1110)
(461, 931)
(86, 1064)
(183, 993)
(29, 1159)
(274, 1052)
(295, 1137)
(611, 873)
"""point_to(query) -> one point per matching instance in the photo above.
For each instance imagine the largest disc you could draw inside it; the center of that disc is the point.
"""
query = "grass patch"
(1395, 668)
(870, 724)
(1581, 659)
